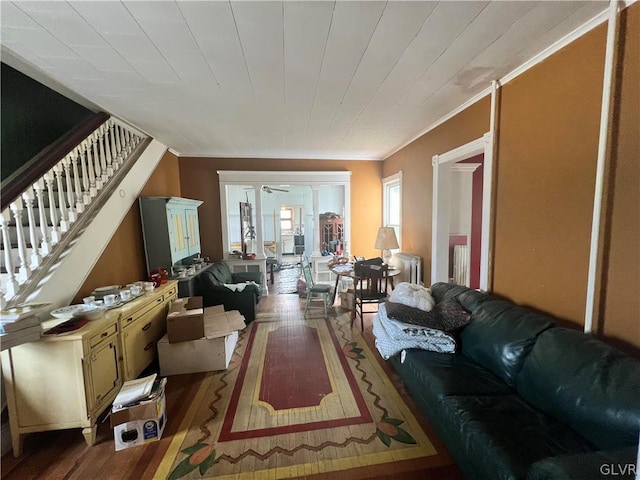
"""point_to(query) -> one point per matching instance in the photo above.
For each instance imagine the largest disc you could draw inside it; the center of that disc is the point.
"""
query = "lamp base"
(386, 256)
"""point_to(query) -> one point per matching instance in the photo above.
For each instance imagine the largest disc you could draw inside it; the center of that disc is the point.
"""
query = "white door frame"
(441, 190)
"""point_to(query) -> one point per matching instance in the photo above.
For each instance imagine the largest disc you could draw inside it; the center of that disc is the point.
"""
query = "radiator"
(410, 267)
(460, 264)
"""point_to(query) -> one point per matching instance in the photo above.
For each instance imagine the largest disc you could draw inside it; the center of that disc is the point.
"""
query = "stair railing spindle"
(62, 203)
(93, 191)
(53, 210)
(96, 160)
(71, 200)
(103, 155)
(24, 269)
(75, 158)
(45, 241)
(11, 282)
(28, 198)
(108, 141)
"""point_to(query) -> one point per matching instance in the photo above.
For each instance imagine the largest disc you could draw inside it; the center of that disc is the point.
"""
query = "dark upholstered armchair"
(218, 286)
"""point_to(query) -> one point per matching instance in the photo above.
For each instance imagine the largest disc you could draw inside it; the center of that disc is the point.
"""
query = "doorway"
(462, 214)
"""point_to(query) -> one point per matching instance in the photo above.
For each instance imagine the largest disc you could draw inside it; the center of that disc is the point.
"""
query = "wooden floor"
(64, 454)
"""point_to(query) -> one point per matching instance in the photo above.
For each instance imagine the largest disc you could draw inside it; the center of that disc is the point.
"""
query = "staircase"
(45, 219)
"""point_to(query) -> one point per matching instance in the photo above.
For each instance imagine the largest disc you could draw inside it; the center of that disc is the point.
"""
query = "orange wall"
(545, 175)
(123, 259)
(199, 180)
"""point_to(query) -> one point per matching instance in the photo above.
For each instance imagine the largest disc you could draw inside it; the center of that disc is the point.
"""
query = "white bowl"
(94, 314)
(71, 310)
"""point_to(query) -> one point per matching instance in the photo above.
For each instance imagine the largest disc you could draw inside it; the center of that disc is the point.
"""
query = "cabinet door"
(102, 374)
(193, 231)
(177, 233)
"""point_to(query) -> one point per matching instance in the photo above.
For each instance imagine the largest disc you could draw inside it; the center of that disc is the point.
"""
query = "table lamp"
(385, 241)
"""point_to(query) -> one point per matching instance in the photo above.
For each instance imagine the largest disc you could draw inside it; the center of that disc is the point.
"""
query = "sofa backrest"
(467, 297)
(221, 273)
(501, 335)
(587, 384)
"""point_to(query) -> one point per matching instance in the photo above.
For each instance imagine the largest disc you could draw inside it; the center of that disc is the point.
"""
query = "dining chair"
(315, 290)
(372, 288)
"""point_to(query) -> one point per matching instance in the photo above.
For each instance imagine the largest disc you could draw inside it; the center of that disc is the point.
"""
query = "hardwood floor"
(64, 454)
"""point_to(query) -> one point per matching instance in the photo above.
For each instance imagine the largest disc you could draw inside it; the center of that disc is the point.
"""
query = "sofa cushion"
(436, 376)
(601, 464)
(501, 335)
(588, 384)
(501, 436)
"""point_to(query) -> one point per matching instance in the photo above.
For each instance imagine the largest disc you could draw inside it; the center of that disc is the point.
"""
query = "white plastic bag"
(413, 295)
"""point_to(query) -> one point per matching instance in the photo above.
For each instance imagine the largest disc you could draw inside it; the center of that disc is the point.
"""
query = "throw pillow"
(447, 316)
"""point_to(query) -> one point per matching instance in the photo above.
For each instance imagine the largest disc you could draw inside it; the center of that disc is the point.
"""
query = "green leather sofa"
(526, 399)
(212, 286)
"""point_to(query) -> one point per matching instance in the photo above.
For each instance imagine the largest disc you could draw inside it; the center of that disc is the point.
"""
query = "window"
(286, 221)
(392, 204)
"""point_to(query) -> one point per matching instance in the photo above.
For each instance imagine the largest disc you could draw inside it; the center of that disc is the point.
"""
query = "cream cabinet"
(67, 381)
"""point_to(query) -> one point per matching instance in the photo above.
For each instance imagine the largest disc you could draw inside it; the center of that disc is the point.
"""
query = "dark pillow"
(446, 316)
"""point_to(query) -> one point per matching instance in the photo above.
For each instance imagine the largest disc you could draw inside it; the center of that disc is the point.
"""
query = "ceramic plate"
(67, 312)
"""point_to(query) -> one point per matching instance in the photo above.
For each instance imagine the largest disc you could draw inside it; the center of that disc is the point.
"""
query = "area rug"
(299, 397)
(287, 279)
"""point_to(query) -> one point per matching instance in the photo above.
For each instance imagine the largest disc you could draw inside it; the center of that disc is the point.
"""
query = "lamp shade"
(386, 239)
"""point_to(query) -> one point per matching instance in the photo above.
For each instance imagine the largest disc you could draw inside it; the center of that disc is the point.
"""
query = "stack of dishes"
(90, 311)
(100, 292)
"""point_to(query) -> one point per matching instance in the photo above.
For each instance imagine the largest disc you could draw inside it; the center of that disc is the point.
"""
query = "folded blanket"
(447, 316)
(393, 336)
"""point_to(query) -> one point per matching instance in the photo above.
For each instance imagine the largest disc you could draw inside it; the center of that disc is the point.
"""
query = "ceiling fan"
(268, 189)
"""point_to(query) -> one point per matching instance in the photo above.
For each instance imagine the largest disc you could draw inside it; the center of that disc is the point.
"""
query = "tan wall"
(620, 302)
(123, 259)
(547, 152)
(417, 175)
(199, 180)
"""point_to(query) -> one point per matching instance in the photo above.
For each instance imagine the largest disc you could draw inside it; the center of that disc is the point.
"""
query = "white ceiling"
(283, 79)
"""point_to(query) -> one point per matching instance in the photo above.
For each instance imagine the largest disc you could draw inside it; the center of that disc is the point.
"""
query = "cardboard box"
(185, 320)
(347, 299)
(202, 355)
(210, 353)
(139, 424)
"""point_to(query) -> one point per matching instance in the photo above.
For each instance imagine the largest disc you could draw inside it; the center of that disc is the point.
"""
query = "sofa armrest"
(620, 464)
(245, 302)
(242, 277)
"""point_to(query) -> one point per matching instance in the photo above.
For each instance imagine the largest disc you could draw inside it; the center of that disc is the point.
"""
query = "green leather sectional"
(211, 286)
(526, 399)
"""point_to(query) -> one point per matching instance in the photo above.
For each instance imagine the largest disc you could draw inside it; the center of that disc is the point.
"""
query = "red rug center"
(295, 366)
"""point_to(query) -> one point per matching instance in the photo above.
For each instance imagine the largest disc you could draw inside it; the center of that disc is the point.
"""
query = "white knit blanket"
(393, 337)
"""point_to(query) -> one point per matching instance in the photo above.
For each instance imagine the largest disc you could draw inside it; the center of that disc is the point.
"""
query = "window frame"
(388, 183)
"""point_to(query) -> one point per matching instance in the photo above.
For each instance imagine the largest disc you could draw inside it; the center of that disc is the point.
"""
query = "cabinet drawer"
(103, 335)
(171, 293)
(126, 321)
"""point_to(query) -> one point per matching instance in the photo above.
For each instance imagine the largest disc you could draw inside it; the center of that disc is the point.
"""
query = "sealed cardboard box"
(141, 423)
(210, 353)
(185, 320)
